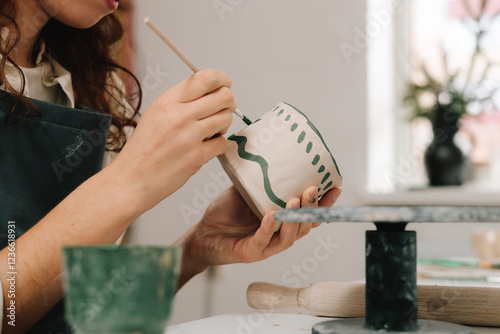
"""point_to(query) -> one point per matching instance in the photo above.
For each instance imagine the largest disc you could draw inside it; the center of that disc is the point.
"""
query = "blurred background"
(372, 75)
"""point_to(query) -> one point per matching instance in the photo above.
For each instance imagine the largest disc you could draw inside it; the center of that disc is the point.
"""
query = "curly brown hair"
(89, 55)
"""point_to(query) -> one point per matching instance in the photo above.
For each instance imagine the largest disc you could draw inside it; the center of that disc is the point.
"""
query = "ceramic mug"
(119, 289)
(277, 157)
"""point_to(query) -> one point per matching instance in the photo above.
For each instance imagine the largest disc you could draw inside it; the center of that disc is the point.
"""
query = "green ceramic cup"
(119, 289)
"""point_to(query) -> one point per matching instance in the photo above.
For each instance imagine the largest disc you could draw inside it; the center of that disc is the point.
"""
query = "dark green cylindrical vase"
(391, 283)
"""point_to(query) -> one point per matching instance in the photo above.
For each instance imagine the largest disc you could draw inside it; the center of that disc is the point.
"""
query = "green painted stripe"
(309, 147)
(327, 175)
(276, 108)
(315, 160)
(288, 118)
(280, 112)
(242, 141)
(294, 127)
(328, 185)
(319, 135)
(321, 169)
(301, 137)
(258, 119)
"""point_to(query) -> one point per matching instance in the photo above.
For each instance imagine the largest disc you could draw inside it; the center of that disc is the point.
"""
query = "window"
(422, 33)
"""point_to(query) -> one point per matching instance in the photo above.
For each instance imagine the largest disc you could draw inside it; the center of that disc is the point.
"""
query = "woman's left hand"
(230, 233)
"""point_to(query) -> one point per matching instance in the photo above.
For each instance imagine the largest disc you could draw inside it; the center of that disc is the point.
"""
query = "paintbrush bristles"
(167, 41)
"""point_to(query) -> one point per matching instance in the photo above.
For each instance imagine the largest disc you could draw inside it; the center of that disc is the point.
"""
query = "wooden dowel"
(459, 304)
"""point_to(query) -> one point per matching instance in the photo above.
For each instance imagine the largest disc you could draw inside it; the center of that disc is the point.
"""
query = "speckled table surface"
(392, 214)
(264, 323)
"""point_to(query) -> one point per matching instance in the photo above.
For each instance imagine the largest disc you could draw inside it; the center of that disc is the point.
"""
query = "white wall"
(273, 50)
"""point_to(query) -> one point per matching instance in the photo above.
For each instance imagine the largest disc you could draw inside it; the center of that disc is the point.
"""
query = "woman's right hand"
(177, 134)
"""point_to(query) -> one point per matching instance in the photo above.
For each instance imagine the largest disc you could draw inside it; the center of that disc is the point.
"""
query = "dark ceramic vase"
(444, 161)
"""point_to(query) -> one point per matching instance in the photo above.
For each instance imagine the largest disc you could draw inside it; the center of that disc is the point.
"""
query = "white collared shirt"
(47, 81)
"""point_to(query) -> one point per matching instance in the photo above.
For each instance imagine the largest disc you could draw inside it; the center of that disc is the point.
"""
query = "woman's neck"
(30, 18)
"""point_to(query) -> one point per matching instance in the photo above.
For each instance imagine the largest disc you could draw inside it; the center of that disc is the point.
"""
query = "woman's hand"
(178, 133)
(229, 232)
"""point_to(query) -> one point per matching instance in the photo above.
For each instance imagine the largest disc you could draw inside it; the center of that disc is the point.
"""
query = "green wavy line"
(242, 141)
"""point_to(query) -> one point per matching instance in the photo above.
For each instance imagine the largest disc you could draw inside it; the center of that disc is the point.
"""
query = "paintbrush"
(189, 63)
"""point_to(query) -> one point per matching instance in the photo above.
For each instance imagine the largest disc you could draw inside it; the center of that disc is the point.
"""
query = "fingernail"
(336, 197)
(270, 219)
(314, 196)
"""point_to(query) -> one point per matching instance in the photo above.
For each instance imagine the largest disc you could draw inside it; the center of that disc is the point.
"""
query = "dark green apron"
(43, 159)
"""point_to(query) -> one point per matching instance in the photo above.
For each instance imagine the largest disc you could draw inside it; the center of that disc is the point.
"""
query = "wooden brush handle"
(463, 305)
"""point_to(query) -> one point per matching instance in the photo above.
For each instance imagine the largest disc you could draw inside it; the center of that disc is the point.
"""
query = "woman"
(58, 53)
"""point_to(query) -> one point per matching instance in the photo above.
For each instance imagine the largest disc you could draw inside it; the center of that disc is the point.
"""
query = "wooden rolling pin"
(462, 305)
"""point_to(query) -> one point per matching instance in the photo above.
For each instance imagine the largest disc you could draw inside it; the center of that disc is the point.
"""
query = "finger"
(303, 230)
(309, 197)
(287, 234)
(309, 200)
(328, 200)
(213, 147)
(262, 237)
(217, 124)
(221, 98)
(198, 85)
(330, 197)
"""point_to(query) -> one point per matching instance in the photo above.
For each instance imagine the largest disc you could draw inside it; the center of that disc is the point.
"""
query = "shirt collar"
(60, 76)
(55, 73)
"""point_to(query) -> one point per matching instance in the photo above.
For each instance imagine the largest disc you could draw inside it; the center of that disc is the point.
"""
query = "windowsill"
(449, 195)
